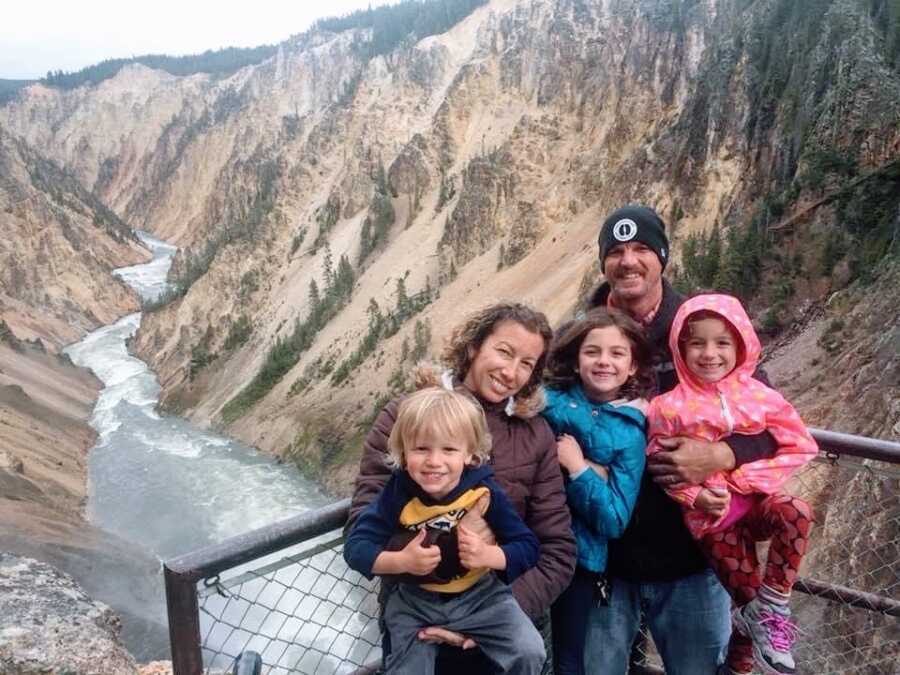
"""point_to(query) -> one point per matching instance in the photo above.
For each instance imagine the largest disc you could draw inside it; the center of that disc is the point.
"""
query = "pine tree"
(729, 276)
(403, 304)
(373, 311)
(328, 270)
(345, 277)
(711, 258)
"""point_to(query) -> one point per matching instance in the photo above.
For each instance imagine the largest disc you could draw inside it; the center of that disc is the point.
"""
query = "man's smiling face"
(633, 271)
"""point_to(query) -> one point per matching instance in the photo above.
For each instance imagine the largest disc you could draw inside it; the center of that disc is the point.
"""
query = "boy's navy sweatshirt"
(381, 519)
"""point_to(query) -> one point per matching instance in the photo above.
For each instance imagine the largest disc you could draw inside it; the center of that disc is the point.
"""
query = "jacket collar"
(634, 410)
(471, 477)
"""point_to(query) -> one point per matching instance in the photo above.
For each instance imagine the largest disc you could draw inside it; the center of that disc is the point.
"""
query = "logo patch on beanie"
(625, 230)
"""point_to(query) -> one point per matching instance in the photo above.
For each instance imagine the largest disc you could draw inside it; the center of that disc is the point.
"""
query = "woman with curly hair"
(497, 356)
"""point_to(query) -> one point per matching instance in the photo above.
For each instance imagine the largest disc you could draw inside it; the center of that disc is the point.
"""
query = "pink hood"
(736, 404)
(732, 312)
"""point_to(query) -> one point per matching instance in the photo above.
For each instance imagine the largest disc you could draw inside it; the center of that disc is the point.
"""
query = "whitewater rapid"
(156, 480)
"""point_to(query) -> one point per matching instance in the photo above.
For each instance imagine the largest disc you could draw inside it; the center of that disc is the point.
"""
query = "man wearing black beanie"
(656, 568)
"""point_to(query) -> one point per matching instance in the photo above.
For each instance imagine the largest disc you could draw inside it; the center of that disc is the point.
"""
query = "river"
(157, 481)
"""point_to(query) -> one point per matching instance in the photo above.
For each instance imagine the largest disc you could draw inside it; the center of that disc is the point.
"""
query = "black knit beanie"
(635, 223)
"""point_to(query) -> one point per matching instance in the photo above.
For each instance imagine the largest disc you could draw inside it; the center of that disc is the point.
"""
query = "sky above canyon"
(37, 36)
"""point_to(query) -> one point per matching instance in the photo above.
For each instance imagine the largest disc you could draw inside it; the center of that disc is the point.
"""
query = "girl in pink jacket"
(716, 352)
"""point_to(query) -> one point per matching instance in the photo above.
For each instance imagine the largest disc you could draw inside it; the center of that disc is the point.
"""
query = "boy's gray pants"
(486, 612)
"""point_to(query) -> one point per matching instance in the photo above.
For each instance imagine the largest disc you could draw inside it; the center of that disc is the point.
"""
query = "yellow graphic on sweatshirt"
(445, 517)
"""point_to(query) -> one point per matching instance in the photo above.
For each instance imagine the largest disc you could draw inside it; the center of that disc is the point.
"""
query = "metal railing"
(284, 590)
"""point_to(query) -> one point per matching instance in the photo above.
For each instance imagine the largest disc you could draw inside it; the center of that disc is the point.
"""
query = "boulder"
(48, 624)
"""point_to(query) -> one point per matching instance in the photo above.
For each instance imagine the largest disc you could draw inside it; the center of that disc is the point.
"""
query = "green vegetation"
(201, 354)
(219, 62)
(9, 89)
(886, 16)
(238, 333)
(397, 381)
(314, 371)
(868, 213)
(379, 219)
(447, 191)
(824, 164)
(297, 241)
(383, 326)
(407, 21)
(322, 444)
(67, 194)
(167, 297)
(326, 216)
(733, 266)
(249, 284)
(243, 225)
(284, 354)
(836, 247)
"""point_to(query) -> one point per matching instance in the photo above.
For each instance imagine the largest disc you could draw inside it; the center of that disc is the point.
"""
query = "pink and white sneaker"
(773, 634)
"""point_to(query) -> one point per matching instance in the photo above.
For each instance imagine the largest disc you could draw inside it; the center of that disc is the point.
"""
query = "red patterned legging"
(783, 520)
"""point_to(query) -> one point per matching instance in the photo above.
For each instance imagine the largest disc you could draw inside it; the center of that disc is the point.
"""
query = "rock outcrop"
(58, 247)
(49, 625)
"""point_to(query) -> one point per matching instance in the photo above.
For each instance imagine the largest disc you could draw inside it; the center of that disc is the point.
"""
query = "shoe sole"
(740, 624)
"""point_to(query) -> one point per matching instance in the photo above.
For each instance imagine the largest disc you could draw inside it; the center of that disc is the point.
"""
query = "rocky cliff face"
(48, 624)
(841, 367)
(59, 247)
(341, 213)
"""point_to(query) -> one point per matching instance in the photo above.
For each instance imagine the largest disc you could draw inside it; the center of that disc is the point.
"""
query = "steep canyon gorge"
(337, 212)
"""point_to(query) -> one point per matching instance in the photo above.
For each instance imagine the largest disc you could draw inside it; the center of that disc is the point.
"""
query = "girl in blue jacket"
(597, 371)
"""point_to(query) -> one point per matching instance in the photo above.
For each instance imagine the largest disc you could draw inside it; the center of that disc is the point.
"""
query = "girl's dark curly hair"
(562, 363)
(467, 338)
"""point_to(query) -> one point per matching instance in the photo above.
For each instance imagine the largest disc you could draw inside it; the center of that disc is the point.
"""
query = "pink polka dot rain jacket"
(737, 403)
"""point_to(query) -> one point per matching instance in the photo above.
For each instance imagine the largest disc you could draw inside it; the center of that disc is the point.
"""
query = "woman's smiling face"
(504, 363)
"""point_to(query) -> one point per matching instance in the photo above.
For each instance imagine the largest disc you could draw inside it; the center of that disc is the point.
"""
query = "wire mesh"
(855, 543)
(306, 612)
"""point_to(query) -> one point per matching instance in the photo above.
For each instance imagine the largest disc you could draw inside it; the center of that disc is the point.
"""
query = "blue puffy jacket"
(611, 434)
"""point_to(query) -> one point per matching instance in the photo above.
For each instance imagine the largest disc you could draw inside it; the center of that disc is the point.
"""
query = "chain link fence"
(305, 612)
(854, 550)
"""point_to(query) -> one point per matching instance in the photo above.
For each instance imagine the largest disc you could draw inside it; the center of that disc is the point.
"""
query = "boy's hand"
(713, 501)
(475, 553)
(571, 458)
(420, 560)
